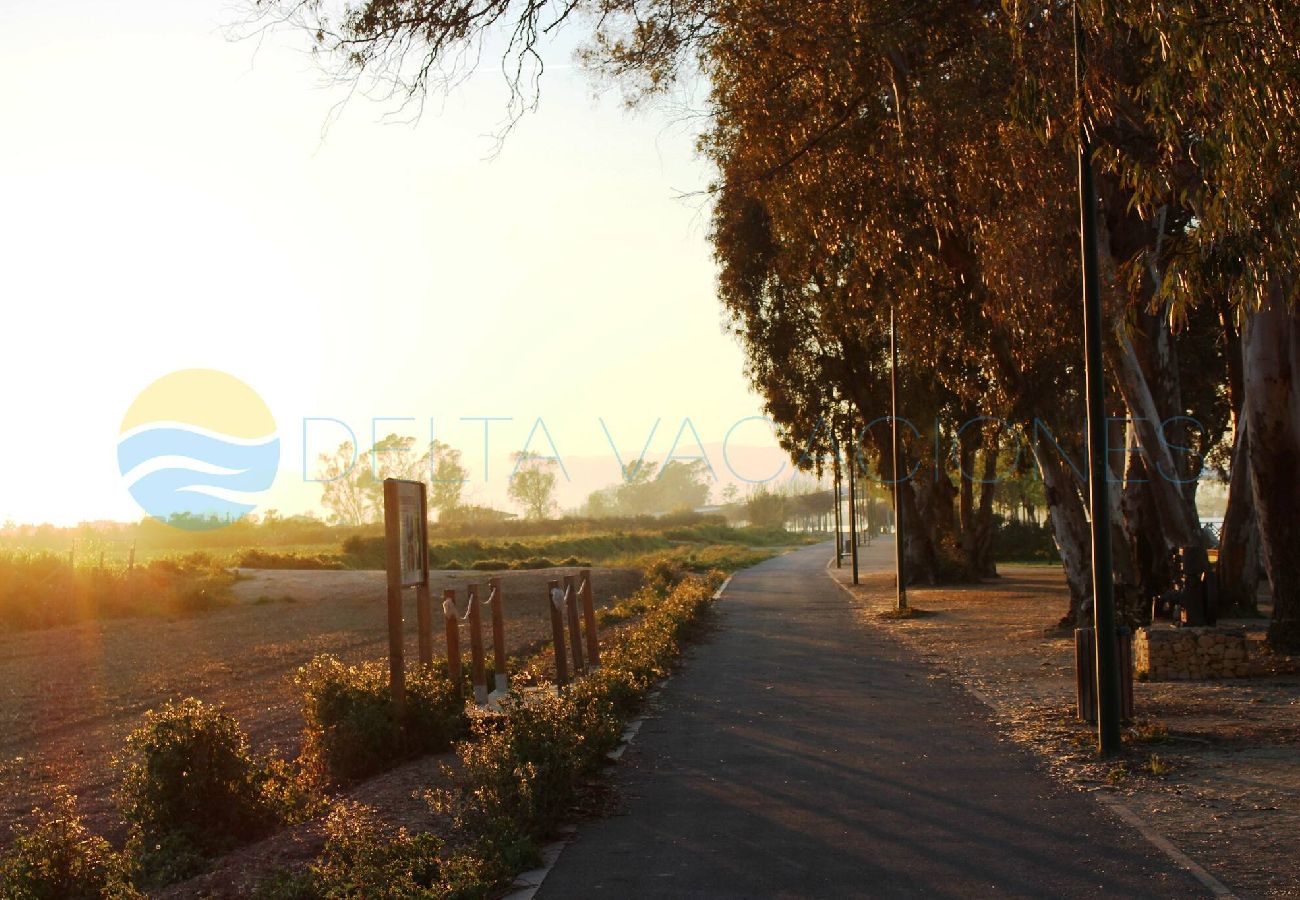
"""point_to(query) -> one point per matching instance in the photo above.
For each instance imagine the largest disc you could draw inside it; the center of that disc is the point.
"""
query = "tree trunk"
(1239, 539)
(922, 565)
(1177, 512)
(1069, 524)
(1271, 365)
(980, 549)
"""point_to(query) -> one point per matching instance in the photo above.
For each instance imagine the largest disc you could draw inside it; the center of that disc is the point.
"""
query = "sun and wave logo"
(196, 447)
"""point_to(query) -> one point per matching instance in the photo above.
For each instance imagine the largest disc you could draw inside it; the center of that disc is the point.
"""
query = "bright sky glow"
(169, 203)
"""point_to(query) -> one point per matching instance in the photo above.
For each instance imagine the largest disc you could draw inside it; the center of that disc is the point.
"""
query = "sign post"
(406, 533)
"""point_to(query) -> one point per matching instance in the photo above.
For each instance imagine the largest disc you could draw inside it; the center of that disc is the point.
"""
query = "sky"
(171, 199)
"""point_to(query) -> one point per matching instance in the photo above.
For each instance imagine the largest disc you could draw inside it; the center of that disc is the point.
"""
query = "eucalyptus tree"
(919, 156)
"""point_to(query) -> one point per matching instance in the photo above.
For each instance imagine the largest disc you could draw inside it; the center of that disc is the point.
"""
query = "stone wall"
(1166, 653)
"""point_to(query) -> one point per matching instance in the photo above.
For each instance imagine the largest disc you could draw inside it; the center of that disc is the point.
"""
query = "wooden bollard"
(575, 628)
(502, 679)
(453, 634)
(557, 633)
(396, 638)
(424, 623)
(476, 646)
(589, 618)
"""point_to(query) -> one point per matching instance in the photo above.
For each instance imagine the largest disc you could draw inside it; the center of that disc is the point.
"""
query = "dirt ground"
(1223, 780)
(69, 696)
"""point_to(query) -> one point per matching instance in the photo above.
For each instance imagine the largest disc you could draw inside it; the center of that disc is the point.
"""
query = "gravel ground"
(71, 695)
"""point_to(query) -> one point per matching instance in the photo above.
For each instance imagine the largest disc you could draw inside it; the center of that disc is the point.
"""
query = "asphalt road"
(799, 753)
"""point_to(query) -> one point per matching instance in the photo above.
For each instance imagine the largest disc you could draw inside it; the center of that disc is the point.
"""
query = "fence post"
(476, 646)
(424, 622)
(130, 560)
(502, 679)
(453, 635)
(589, 617)
(557, 633)
(575, 627)
(392, 553)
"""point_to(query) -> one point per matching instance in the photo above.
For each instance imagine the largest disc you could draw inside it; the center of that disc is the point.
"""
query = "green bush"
(263, 559)
(1024, 542)
(192, 789)
(489, 565)
(519, 772)
(363, 859)
(56, 858)
(352, 728)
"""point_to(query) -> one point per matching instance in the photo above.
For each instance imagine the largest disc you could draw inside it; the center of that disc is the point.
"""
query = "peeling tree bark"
(1177, 511)
(1272, 403)
(1069, 524)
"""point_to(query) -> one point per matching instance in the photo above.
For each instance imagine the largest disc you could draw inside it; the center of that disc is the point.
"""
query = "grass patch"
(42, 590)
(1157, 766)
(1148, 732)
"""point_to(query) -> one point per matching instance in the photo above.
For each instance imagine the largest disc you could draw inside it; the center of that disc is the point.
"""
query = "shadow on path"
(798, 753)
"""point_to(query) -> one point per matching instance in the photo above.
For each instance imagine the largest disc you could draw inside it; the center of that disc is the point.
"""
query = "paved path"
(799, 753)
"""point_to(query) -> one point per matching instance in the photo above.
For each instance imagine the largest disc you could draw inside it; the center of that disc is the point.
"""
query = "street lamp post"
(853, 507)
(839, 526)
(1103, 589)
(900, 573)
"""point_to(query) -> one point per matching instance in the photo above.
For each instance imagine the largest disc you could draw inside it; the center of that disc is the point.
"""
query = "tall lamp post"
(839, 527)
(900, 563)
(1103, 589)
(849, 460)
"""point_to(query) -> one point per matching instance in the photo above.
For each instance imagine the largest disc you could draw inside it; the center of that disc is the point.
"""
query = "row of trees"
(353, 492)
(916, 161)
(352, 483)
(919, 162)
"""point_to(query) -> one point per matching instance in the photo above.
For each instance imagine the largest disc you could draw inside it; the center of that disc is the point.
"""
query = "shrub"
(662, 575)
(192, 789)
(519, 772)
(1024, 542)
(533, 562)
(56, 857)
(263, 559)
(489, 565)
(363, 859)
(352, 728)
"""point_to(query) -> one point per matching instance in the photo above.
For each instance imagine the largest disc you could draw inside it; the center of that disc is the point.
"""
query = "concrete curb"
(527, 884)
(1119, 808)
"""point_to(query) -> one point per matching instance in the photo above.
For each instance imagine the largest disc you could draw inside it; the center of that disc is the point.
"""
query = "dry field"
(1230, 797)
(69, 696)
